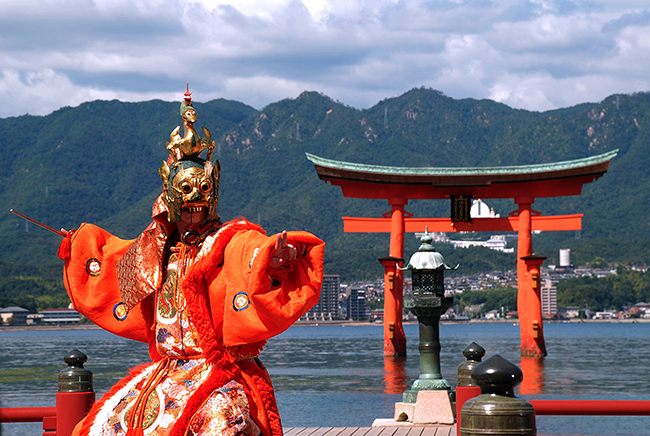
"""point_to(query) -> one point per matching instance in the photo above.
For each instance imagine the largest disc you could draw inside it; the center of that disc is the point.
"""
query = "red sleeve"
(254, 307)
(90, 277)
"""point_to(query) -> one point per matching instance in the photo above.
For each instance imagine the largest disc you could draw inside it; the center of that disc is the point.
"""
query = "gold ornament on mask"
(191, 144)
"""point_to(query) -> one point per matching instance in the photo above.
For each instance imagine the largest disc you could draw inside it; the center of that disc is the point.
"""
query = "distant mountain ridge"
(98, 163)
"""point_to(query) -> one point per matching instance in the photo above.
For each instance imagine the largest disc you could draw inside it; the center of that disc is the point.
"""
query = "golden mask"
(193, 186)
(190, 184)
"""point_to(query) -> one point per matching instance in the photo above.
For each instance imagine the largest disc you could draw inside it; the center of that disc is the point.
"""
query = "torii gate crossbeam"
(508, 224)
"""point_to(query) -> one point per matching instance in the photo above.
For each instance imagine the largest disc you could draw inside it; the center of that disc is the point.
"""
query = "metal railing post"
(497, 411)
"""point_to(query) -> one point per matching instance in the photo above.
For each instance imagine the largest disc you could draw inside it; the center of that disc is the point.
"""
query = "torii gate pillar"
(394, 338)
(529, 305)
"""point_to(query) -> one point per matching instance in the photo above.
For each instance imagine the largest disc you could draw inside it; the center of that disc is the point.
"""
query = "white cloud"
(42, 92)
(536, 55)
(548, 32)
(633, 51)
(272, 88)
(39, 93)
(543, 92)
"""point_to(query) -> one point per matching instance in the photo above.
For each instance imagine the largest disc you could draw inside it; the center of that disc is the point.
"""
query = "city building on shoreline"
(549, 299)
(328, 303)
(14, 315)
(356, 304)
(60, 316)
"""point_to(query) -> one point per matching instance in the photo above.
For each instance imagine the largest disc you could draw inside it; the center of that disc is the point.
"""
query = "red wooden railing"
(46, 415)
(60, 420)
(591, 407)
(564, 407)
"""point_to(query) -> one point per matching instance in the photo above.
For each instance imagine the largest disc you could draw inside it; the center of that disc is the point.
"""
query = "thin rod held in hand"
(37, 223)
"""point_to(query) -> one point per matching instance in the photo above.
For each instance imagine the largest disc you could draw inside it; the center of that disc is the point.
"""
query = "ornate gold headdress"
(187, 179)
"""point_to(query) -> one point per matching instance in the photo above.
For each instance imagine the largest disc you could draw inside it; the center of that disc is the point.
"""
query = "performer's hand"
(283, 253)
(67, 233)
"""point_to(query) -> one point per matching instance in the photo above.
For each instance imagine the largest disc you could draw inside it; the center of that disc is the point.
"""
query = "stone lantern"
(427, 303)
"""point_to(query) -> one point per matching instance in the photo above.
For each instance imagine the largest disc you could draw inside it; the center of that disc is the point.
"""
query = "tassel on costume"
(65, 248)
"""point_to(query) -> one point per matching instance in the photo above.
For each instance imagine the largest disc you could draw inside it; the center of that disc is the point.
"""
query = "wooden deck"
(449, 430)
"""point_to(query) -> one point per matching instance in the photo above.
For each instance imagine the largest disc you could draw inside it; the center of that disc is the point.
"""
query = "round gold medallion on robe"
(241, 301)
(93, 266)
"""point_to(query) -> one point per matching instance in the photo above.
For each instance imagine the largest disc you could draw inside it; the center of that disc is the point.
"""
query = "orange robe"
(231, 298)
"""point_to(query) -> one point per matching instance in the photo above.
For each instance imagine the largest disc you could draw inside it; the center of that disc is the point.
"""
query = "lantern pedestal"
(431, 407)
(428, 401)
(428, 308)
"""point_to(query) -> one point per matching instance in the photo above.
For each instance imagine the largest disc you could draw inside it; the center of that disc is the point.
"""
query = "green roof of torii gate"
(539, 180)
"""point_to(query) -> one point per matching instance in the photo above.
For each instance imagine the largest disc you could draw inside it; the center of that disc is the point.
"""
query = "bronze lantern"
(428, 303)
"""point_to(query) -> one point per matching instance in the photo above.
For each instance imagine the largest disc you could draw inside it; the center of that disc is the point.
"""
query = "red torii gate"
(523, 183)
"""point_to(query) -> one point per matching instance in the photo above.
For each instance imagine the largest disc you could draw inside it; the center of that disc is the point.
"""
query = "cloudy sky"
(535, 55)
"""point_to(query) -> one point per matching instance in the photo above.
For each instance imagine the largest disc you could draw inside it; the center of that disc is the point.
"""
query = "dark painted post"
(75, 395)
(497, 411)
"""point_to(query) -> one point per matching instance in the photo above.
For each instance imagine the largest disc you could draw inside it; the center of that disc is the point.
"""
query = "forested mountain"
(98, 163)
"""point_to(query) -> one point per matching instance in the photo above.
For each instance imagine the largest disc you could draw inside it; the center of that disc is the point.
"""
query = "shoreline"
(18, 328)
(344, 323)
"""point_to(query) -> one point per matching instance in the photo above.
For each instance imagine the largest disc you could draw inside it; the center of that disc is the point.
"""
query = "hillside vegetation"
(98, 163)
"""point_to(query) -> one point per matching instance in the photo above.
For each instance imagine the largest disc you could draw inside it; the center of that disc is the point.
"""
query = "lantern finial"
(426, 240)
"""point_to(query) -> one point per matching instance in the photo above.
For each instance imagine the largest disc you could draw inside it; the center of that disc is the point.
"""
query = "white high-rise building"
(549, 298)
(565, 257)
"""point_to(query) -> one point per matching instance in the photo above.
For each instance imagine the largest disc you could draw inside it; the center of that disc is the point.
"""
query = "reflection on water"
(337, 376)
(395, 375)
(533, 369)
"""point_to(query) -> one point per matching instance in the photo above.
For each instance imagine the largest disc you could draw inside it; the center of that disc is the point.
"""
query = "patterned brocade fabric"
(140, 269)
(176, 335)
(164, 404)
(225, 412)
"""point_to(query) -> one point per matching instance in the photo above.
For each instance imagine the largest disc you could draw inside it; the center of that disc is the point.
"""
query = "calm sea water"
(337, 376)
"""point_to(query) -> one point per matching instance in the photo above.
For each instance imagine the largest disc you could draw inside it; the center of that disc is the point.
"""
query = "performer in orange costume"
(204, 295)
